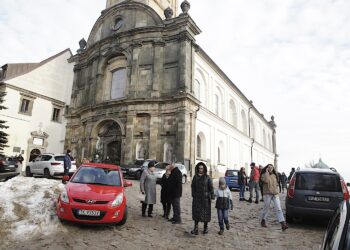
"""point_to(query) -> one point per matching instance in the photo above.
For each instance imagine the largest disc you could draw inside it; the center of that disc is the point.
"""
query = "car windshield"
(97, 176)
(318, 182)
(232, 173)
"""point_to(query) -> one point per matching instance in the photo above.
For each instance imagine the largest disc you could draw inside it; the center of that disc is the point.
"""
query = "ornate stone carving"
(82, 45)
(185, 7)
(168, 13)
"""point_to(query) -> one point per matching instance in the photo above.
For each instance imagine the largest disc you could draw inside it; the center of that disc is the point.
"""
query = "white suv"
(48, 165)
(160, 171)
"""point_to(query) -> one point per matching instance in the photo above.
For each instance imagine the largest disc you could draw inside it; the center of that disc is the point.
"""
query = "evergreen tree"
(3, 135)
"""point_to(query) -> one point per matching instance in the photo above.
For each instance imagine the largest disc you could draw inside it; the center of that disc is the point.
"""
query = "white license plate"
(318, 198)
(89, 212)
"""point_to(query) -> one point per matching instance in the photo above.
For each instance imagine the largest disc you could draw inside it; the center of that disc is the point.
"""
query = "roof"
(12, 70)
(100, 165)
(317, 170)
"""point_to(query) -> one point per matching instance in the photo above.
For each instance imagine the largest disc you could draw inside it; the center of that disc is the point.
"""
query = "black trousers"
(66, 171)
(166, 208)
(144, 207)
(176, 209)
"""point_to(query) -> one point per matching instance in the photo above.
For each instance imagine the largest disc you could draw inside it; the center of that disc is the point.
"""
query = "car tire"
(184, 179)
(47, 173)
(138, 175)
(289, 219)
(28, 172)
(125, 217)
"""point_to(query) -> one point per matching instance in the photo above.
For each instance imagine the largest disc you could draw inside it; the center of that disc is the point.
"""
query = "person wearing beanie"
(67, 164)
(223, 204)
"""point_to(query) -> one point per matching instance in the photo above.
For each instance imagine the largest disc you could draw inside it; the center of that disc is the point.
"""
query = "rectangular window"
(118, 84)
(25, 106)
(56, 115)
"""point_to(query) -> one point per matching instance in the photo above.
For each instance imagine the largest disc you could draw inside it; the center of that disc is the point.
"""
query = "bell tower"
(158, 5)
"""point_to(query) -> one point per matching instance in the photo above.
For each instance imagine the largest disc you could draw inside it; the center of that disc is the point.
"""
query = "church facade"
(144, 89)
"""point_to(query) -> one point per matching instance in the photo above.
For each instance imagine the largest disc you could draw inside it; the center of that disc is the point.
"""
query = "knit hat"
(222, 181)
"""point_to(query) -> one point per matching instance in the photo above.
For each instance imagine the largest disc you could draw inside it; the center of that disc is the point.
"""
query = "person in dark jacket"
(67, 164)
(223, 204)
(164, 197)
(242, 182)
(175, 192)
(283, 181)
(202, 194)
(261, 184)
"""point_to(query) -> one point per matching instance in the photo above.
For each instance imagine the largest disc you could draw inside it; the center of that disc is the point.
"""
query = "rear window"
(318, 182)
(59, 158)
(231, 173)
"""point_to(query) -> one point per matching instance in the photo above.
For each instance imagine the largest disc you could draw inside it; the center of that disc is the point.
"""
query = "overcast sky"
(291, 57)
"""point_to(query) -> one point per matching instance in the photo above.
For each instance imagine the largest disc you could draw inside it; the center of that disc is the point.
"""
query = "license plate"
(318, 198)
(89, 212)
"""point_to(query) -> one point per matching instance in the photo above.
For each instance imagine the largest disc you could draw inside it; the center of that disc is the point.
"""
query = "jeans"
(252, 185)
(241, 191)
(277, 206)
(222, 217)
(176, 209)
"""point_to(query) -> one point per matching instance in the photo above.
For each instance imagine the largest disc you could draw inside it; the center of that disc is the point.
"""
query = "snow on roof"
(27, 206)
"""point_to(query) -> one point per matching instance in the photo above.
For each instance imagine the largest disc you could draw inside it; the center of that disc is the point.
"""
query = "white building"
(37, 94)
(230, 132)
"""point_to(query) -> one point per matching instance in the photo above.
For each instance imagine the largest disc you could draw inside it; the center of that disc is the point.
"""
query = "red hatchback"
(95, 194)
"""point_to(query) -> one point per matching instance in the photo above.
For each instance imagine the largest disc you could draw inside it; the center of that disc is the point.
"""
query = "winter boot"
(228, 226)
(284, 225)
(263, 223)
(250, 200)
(221, 232)
(150, 210)
(144, 207)
(195, 229)
(205, 231)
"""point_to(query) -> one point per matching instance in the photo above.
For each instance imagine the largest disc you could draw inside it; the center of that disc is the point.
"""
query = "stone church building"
(144, 89)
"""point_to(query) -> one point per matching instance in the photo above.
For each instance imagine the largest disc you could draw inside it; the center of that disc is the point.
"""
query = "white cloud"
(291, 57)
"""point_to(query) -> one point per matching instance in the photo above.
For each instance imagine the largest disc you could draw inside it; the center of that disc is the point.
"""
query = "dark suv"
(315, 192)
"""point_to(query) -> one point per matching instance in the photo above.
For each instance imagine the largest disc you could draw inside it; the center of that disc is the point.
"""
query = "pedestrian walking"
(242, 182)
(223, 204)
(148, 184)
(202, 194)
(291, 174)
(175, 192)
(254, 183)
(67, 164)
(279, 176)
(269, 178)
(164, 196)
(283, 182)
(261, 184)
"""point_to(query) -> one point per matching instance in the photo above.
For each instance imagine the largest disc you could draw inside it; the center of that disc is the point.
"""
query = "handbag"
(141, 197)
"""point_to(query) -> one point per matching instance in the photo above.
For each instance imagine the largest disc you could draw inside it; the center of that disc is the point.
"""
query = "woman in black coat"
(164, 193)
(202, 194)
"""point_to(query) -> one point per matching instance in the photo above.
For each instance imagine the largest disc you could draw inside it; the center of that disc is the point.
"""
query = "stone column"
(154, 142)
(135, 69)
(183, 136)
(185, 63)
(158, 72)
(129, 138)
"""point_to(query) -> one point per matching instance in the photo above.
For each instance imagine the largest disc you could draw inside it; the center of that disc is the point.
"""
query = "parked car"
(95, 194)
(125, 168)
(48, 165)
(160, 171)
(315, 192)
(231, 178)
(337, 236)
(136, 171)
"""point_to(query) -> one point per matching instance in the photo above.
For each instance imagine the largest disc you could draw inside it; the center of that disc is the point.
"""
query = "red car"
(95, 194)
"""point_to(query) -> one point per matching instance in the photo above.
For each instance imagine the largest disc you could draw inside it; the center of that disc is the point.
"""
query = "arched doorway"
(34, 153)
(109, 142)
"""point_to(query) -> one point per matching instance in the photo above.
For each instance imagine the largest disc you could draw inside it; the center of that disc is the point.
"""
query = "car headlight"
(118, 200)
(64, 197)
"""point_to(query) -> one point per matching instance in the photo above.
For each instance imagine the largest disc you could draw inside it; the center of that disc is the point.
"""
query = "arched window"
(199, 147)
(221, 155)
(197, 90)
(118, 83)
(233, 113)
(269, 141)
(244, 122)
(264, 138)
(252, 129)
(201, 144)
(216, 105)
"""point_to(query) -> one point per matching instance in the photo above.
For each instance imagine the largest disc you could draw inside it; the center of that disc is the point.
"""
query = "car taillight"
(291, 188)
(344, 189)
(55, 163)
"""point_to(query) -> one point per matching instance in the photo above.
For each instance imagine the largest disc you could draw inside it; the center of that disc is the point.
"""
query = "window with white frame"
(26, 105)
(197, 90)
(199, 146)
(216, 105)
(233, 113)
(56, 114)
(244, 122)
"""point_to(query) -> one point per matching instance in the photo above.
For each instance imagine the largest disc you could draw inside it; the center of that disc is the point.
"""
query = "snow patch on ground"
(27, 207)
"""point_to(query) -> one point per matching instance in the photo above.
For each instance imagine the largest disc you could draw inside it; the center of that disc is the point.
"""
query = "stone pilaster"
(185, 64)
(135, 68)
(129, 138)
(154, 142)
(158, 67)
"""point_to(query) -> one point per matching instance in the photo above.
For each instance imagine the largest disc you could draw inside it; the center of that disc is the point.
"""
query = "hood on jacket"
(204, 167)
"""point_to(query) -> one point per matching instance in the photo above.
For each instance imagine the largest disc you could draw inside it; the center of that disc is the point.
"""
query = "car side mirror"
(66, 178)
(127, 184)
